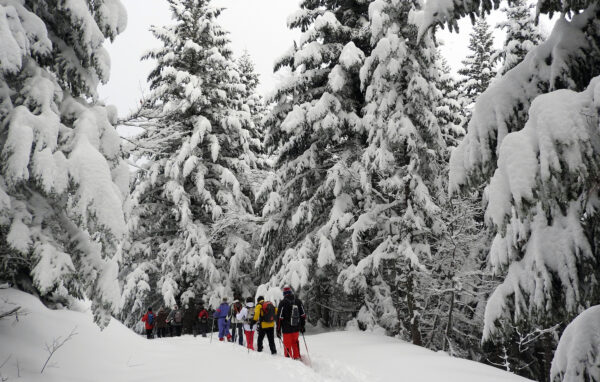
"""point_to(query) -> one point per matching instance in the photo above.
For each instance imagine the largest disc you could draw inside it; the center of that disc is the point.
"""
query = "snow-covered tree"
(478, 67)
(63, 179)
(533, 141)
(451, 109)
(190, 215)
(522, 34)
(315, 132)
(399, 215)
(577, 355)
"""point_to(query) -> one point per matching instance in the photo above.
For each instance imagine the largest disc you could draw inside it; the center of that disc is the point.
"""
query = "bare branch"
(57, 343)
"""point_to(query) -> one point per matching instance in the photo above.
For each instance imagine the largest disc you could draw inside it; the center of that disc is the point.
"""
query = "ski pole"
(306, 347)
(212, 327)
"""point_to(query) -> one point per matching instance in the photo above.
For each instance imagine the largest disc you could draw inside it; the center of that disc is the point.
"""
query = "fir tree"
(190, 216)
(522, 34)
(63, 179)
(315, 132)
(478, 67)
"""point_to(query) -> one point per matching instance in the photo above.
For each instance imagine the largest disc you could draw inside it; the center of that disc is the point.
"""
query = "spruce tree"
(478, 67)
(63, 179)
(532, 141)
(522, 34)
(399, 214)
(191, 215)
(314, 129)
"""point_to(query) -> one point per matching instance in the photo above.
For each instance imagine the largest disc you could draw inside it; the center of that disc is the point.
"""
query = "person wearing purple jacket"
(221, 316)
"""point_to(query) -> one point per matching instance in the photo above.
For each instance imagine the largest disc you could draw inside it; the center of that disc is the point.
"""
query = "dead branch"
(57, 343)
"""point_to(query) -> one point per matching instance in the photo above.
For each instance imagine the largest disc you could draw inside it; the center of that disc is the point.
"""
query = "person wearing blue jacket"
(221, 315)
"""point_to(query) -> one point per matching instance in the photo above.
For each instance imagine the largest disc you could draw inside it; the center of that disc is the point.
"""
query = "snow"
(578, 354)
(118, 354)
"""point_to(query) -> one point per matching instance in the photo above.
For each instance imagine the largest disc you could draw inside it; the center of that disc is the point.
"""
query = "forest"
(458, 212)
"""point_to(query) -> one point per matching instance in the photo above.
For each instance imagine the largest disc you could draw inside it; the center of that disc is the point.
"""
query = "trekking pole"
(212, 327)
(306, 347)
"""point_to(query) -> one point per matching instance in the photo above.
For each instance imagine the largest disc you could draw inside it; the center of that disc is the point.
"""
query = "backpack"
(268, 312)
(249, 316)
(150, 319)
(204, 318)
(177, 316)
(295, 316)
(237, 307)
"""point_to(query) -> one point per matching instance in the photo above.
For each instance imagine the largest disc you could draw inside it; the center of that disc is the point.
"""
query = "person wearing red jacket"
(202, 320)
(149, 319)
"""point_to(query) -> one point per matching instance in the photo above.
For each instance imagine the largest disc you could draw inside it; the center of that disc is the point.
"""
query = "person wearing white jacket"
(246, 315)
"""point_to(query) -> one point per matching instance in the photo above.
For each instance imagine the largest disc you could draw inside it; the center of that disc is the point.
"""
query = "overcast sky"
(258, 26)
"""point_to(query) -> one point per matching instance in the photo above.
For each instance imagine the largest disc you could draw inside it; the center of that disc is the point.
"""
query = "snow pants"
(249, 338)
(149, 334)
(237, 331)
(270, 333)
(291, 345)
(161, 332)
(223, 329)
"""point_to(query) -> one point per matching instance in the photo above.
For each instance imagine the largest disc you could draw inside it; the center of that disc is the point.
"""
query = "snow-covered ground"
(117, 354)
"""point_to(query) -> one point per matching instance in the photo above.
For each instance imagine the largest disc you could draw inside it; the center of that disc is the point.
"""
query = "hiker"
(237, 326)
(246, 315)
(161, 323)
(221, 315)
(264, 314)
(291, 319)
(149, 319)
(175, 319)
(202, 320)
(189, 319)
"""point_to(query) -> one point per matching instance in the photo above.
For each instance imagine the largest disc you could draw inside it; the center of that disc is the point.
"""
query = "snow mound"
(118, 354)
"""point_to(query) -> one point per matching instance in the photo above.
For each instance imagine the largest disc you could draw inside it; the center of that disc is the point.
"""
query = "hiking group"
(237, 322)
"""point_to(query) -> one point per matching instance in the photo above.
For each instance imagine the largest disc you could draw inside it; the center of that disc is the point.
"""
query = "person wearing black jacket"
(291, 319)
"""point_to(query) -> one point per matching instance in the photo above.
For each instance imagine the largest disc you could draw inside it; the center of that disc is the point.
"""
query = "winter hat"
(287, 291)
(249, 299)
(150, 309)
(260, 298)
(224, 299)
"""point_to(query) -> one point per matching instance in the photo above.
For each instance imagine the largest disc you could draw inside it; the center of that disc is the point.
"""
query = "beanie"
(260, 298)
(249, 299)
(150, 309)
(287, 291)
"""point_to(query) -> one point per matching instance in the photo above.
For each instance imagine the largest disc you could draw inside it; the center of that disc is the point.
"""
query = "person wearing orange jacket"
(149, 319)
(291, 319)
(265, 313)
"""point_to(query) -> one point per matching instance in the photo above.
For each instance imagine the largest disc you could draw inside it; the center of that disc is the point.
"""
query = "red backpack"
(268, 312)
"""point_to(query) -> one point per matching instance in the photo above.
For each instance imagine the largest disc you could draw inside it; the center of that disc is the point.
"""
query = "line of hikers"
(286, 320)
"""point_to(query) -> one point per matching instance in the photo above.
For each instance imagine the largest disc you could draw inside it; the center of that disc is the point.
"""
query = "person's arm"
(257, 313)
(278, 317)
(145, 317)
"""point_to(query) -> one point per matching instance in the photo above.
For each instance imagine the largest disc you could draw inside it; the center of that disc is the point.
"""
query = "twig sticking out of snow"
(12, 312)
(57, 343)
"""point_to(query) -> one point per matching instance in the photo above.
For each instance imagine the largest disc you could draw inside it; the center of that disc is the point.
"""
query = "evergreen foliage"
(63, 179)
(191, 213)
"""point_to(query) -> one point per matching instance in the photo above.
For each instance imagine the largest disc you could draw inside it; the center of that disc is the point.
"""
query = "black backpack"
(268, 312)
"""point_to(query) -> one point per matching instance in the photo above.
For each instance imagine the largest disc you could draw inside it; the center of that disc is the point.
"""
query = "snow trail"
(118, 354)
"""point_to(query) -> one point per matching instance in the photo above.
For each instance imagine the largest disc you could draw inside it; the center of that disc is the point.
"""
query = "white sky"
(258, 26)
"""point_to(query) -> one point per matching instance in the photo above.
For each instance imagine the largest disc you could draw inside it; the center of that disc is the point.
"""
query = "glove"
(279, 334)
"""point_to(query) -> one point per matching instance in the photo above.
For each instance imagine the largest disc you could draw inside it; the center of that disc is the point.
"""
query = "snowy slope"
(117, 354)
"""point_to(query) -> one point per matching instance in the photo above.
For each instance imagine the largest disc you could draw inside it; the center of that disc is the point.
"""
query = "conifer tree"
(531, 142)
(522, 34)
(315, 132)
(191, 217)
(400, 216)
(63, 179)
(478, 67)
